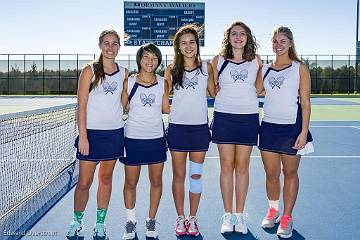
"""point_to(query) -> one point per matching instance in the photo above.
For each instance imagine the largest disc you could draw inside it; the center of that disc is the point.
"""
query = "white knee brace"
(195, 184)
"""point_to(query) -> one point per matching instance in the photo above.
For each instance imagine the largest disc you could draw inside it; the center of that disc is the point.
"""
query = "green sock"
(100, 215)
(78, 216)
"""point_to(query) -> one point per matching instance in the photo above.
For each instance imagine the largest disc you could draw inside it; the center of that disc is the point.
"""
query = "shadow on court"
(148, 238)
(271, 230)
(234, 236)
(295, 236)
(200, 237)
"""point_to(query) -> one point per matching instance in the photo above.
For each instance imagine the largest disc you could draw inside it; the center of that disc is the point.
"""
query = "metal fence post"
(59, 75)
(77, 71)
(316, 75)
(24, 91)
(332, 74)
(349, 75)
(8, 75)
(128, 67)
(43, 75)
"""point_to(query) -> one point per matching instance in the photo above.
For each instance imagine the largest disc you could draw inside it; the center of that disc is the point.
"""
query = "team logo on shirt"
(276, 82)
(147, 99)
(236, 75)
(190, 82)
(109, 88)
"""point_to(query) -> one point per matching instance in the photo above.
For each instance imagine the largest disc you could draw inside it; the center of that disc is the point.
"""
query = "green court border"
(325, 113)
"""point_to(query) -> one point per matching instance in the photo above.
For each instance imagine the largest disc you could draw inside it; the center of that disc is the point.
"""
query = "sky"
(73, 26)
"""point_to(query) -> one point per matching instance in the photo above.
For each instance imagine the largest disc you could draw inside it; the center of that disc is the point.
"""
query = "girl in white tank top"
(235, 124)
(101, 133)
(146, 96)
(188, 130)
(284, 132)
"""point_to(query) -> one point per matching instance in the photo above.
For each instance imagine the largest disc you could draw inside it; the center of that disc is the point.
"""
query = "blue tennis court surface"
(11, 104)
(327, 206)
(331, 101)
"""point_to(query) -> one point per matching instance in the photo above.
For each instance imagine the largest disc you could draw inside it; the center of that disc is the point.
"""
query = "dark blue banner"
(158, 22)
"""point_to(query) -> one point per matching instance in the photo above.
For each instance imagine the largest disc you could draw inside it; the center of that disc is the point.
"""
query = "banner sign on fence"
(157, 22)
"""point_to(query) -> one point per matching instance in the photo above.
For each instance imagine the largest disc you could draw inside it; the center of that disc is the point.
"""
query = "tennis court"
(326, 208)
(25, 103)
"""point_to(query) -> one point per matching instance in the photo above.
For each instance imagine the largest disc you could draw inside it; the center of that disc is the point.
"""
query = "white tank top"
(145, 113)
(237, 93)
(104, 109)
(189, 104)
(281, 93)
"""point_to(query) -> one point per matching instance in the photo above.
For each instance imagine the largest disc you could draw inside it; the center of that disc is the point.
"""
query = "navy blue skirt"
(242, 129)
(188, 138)
(144, 151)
(280, 138)
(103, 145)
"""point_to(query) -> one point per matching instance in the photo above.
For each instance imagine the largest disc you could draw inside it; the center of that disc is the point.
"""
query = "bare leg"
(179, 174)
(86, 175)
(272, 166)
(227, 164)
(291, 181)
(155, 177)
(132, 174)
(241, 175)
(105, 183)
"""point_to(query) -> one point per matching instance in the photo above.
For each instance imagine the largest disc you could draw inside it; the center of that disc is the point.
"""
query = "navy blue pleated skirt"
(242, 129)
(280, 138)
(103, 145)
(188, 138)
(144, 151)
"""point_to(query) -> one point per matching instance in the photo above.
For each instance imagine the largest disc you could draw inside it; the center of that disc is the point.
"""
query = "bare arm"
(211, 86)
(259, 83)
(305, 91)
(165, 98)
(214, 63)
(124, 94)
(82, 100)
(167, 77)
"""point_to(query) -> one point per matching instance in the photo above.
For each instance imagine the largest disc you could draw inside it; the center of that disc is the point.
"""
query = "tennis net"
(37, 165)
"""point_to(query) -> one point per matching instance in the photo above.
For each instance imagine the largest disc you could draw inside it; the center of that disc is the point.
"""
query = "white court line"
(340, 126)
(258, 156)
(334, 126)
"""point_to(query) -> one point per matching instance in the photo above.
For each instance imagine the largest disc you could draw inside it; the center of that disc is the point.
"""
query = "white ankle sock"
(131, 214)
(274, 204)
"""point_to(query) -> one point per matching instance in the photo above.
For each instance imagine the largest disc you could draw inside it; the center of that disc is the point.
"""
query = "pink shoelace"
(181, 225)
(270, 214)
(285, 221)
(192, 225)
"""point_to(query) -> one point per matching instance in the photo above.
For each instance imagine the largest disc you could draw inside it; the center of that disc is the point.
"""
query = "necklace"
(152, 81)
(281, 65)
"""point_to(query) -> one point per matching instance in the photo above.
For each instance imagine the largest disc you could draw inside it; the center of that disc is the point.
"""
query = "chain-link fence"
(43, 74)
